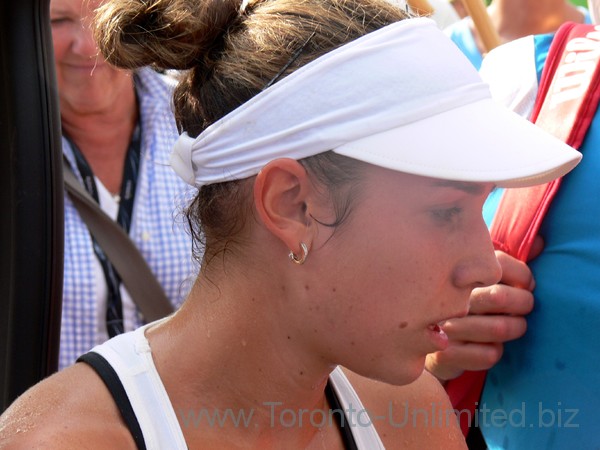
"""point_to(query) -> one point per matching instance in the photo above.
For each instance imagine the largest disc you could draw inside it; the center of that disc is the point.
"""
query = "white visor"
(403, 98)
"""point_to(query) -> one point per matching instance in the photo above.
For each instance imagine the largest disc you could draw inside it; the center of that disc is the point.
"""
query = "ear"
(281, 193)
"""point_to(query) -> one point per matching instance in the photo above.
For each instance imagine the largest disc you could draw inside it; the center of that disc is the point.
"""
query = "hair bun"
(169, 34)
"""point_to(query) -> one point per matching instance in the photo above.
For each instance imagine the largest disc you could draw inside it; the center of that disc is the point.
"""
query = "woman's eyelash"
(58, 20)
(447, 214)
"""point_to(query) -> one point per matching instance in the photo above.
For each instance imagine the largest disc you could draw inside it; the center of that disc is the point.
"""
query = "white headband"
(402, 97)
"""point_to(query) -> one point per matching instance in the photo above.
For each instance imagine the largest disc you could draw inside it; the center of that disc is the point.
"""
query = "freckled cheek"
(387, 295)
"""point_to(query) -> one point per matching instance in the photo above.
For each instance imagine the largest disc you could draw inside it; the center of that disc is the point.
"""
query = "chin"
(407, 377)
(398, 374)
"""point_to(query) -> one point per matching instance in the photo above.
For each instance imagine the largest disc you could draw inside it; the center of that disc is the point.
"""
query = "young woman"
(342, 153)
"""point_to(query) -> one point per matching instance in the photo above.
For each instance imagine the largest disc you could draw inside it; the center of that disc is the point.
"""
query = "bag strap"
(142, 285)
(567, 101)
(566, 104)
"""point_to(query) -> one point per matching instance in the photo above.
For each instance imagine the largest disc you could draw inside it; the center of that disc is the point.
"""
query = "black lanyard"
(114, 307)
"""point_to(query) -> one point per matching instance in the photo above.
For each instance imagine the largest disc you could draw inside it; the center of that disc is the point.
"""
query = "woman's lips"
(87, 66)
(437, 336)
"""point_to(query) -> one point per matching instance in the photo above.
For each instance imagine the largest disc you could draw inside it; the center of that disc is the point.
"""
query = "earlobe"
(281, 193)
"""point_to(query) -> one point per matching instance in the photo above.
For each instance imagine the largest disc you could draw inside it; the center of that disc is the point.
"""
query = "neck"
(518, 18)
(103, 138)
(226, 334)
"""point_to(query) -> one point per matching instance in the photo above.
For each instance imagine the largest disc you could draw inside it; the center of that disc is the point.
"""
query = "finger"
(536, 248)
(456, 359)
(514, 272)
(501, 299)
(485, 329)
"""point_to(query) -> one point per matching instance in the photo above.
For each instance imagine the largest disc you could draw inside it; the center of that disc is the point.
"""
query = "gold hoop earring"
(299, 259)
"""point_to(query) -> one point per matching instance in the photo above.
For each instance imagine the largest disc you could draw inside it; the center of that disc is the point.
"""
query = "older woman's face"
(407, 259)
(86, 83)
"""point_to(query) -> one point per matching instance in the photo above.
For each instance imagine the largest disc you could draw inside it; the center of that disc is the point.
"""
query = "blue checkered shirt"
(157, 228)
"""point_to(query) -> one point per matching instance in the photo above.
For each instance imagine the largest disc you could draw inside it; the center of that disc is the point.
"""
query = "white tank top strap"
(364, 434)
(130, 356)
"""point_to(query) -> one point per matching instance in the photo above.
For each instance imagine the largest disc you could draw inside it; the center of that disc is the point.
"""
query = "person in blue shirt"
(514, 19)
(548, 378)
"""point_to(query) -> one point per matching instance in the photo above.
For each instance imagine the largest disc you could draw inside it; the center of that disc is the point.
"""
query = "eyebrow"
(59, 10)
(469, 188)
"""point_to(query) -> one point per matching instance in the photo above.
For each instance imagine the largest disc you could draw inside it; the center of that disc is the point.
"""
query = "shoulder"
(415, 416)
(152, 84)
(444, 13)
(460, 30)
(587, 18)
(511, 72)
(69, 410)
(460, 33)
(155, 98)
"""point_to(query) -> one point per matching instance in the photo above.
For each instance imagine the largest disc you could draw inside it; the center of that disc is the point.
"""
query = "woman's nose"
(83, 42)
(480, 267)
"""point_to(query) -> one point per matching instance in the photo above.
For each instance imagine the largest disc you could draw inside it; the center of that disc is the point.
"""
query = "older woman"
(342, 153)
(118, 130)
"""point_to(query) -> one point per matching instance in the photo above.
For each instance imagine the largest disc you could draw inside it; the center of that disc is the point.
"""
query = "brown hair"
(229, 56)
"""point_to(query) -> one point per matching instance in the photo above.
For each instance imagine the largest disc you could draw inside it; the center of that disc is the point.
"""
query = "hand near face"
(496, 315)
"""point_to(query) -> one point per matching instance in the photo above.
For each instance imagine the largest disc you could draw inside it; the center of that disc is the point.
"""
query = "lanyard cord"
(114, 307)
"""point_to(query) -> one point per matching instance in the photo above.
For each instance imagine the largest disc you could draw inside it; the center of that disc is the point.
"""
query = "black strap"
(114, 307)
(345, 428)
(475, 440)
(142, 285)
(116, 389)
